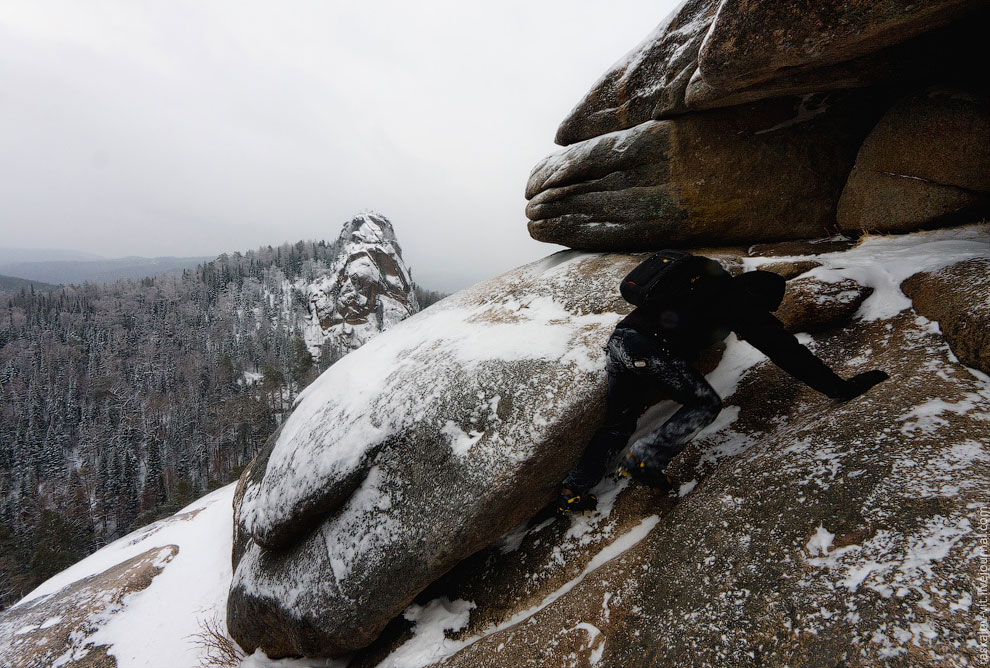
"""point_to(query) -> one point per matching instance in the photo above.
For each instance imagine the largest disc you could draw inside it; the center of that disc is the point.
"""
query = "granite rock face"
(790, 496)
(54, 630)
(811, 305)
(958, 299)
(827, 534)
(806, 531)
(763, 172)
(711, 129)
(755, 42)
(717, 53)
(925, 163)
(367, 290)
(467, 414)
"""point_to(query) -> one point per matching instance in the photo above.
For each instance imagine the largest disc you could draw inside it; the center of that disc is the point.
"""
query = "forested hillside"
(120, 403)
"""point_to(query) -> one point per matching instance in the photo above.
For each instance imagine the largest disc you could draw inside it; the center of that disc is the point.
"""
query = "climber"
(685, 303)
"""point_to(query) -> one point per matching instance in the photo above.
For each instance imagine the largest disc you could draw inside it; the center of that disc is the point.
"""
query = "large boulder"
(754, 42)
(416, 451)
(767, 171)
(925, 163)
(806, 531)
(835, 534)
(958, 298)
(647, 166)
(716, 53)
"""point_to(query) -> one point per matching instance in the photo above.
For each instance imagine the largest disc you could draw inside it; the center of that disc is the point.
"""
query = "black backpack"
(661, 278)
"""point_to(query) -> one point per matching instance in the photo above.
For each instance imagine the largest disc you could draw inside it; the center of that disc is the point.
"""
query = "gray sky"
(199, 127)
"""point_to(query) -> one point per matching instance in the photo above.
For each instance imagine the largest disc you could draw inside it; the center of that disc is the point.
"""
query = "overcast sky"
(200, 127)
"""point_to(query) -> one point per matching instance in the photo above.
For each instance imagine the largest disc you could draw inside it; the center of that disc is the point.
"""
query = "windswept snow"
(884, 262)
(160, 620)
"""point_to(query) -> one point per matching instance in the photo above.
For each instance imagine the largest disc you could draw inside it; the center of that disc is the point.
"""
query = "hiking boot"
(576, 501)
(639, 469)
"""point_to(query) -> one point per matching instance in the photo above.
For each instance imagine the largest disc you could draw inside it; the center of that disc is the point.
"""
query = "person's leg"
(623, 406)
(700, 405)
(624, 403)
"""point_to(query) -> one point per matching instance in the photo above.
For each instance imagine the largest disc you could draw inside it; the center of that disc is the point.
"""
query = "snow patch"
(449, 647)
(820, 542)
(430, 643)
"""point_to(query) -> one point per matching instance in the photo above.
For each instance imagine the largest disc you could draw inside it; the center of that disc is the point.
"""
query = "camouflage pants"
(640, 366)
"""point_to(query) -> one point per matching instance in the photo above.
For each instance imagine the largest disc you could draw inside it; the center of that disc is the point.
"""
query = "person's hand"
(861, 382)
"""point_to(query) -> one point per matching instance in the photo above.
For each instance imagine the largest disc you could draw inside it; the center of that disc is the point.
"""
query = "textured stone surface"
(808, 532)
(841, 534)
(811, 305)
(926, 162)
(790, 269)
(649, 82)
(767, 171)
(754, 41)
(467, 414)
(711, 53)
(958, 298)
(367, 290)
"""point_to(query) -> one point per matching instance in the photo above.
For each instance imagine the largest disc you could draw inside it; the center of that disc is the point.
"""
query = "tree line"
(121, 403)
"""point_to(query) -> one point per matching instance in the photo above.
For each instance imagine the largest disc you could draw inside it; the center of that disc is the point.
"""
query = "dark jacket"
(718, 304)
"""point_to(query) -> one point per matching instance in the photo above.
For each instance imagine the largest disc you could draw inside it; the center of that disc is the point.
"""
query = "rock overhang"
(740, 59)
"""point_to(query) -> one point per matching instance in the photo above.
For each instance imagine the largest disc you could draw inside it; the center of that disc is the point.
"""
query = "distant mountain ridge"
(76, 272)
(11, 255)
(14, 283)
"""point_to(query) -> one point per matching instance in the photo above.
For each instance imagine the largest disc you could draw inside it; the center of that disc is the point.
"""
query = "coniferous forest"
(121, 403)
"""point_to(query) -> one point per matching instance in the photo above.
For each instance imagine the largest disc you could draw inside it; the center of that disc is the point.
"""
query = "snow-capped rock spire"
(367, 290)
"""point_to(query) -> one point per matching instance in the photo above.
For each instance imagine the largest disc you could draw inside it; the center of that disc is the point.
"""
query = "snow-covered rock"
(925, 163)
(139, 602)
(456, 425)
(957, 297)
(719, 53)
(812, 305)
(806, 531)
(366, 291)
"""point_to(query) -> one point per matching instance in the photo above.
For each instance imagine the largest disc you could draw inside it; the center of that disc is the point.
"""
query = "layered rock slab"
(452, 427)
(54, 630)
(763, 172)
(718, 53)
(843, 534)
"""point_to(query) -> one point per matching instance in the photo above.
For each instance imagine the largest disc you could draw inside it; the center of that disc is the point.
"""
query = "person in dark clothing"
(650, 350)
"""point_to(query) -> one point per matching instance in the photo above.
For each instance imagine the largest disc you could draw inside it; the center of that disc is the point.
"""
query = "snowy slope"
(151, 627)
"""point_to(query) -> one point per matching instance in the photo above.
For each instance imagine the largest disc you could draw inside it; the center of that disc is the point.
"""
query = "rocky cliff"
(398, 518)
(806, 530)
(367, 290)
(398, 521)
(737, 122)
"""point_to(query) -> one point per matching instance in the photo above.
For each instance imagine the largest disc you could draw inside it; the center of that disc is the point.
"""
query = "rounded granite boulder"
(926, 163)
(418, 449)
